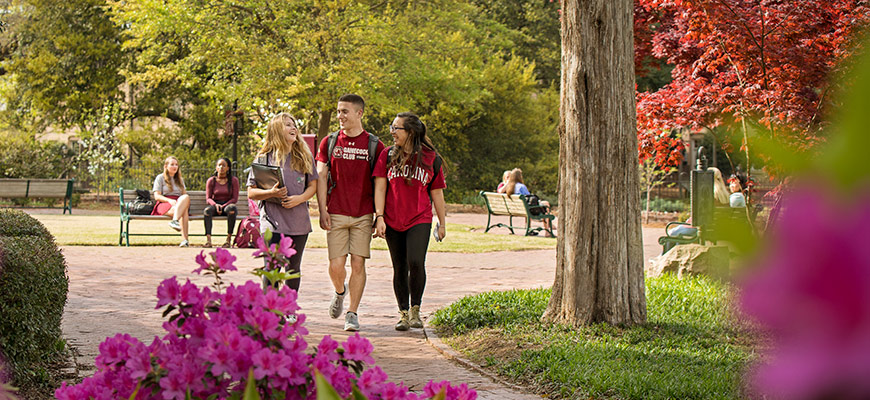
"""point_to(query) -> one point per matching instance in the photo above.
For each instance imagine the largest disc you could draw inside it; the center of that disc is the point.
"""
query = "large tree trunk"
(323, 124)
(599, 271)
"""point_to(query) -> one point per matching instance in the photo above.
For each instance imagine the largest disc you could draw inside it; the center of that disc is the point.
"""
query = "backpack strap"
(436, 166)
(373, 148)
(330, 145)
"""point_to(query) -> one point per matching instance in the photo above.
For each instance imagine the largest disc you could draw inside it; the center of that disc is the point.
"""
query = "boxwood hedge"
(33, 290)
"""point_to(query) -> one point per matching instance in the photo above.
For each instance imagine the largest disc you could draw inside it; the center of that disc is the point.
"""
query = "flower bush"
(243, 343)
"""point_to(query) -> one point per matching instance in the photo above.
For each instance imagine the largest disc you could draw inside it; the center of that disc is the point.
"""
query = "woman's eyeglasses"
(396, 128)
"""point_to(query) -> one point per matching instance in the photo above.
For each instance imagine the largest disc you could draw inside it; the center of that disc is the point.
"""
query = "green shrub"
(665, 205)
(33, 290)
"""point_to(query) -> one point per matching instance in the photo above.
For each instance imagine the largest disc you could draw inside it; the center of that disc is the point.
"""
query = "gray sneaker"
(351, 321)
(175, 225)
(337, 304)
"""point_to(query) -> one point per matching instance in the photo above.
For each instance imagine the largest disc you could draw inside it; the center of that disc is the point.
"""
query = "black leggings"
(295, 260)
(211, 211)
(408, 251)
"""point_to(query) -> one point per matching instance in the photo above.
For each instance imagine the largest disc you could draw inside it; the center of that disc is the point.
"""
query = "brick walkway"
(112, 290)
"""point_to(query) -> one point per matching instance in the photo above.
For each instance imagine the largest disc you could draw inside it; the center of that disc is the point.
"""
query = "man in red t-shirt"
(345, 197)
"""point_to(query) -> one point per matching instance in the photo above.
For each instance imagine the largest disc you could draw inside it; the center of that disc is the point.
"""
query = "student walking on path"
(285, 147)
(409, 179)
(345, 197)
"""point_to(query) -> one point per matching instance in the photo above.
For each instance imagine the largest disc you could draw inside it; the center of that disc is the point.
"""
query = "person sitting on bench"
(720, 197)
(516, 186)
(172, 198)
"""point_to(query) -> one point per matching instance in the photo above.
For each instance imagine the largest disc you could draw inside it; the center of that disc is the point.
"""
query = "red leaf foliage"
(770, 59)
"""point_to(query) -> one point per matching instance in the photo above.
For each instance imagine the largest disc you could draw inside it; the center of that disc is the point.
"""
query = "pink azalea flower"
(139, 363)
(813, 292)
(168, 292)
(283, 302)
(327, 348)
(224, 259)
(262, 249)
(358, 348)
(370, 381)
(203, 264)
(392, 391)
(189, 293)
(285, 246)
(114, 350)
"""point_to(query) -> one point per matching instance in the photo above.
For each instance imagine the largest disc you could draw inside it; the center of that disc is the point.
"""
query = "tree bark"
(323, 124)
(599, 271)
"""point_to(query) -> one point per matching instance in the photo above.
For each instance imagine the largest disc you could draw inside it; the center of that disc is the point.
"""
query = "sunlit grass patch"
(103, 230)
(691, 346)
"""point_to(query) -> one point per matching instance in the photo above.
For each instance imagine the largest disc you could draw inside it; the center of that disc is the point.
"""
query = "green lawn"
(102, 230)
(691, 348)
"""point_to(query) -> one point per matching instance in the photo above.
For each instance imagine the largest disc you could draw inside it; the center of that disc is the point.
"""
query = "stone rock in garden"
(693, 259)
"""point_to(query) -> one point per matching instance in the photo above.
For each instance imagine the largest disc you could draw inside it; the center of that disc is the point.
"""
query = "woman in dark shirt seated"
(221, 194)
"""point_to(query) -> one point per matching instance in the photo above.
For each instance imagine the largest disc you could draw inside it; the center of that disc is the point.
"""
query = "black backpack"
(143, 205)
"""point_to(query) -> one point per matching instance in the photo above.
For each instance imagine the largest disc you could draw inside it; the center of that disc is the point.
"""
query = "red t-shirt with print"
(407, 204)
(353, 194)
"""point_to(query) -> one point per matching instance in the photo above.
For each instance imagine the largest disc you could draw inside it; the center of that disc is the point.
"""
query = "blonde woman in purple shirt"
(284, 147)
(221, 194)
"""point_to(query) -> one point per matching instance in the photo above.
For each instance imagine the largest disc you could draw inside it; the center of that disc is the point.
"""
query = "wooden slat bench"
(38, 188)
(513, 206)
(197, 205)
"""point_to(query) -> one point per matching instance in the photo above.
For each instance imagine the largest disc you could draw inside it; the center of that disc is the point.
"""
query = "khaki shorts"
(349, 235)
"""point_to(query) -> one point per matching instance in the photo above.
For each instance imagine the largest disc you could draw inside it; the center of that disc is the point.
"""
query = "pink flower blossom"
(285, 246)
(168, 292)
(268, 363)
(358, 348)
(215, 339)
(224, 259)
(813, 292)
(327, 348)
(262, 249)
(203, 264)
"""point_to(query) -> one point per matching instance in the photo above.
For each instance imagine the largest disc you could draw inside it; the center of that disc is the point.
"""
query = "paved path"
(112, 290)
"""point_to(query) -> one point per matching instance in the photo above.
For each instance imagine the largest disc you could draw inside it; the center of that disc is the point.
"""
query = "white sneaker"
(175, 225)
(184, 243)
(337, 304)
(351, 322)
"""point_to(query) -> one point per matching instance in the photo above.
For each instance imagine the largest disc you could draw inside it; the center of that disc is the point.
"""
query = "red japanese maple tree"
(736, 60)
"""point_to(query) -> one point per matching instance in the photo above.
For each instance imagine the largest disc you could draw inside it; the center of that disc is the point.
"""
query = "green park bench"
(197, 205)
(513, 206)
(706, 216)
(39, 189)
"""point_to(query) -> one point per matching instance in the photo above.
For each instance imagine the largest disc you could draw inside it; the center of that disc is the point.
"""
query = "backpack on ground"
(330, 144)
(248, 233)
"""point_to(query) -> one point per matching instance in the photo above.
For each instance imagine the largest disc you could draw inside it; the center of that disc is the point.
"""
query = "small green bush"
(665, 205)
(33, 290)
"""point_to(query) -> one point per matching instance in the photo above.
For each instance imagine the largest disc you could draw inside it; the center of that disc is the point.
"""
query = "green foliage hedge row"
(665, 205)
(33, 290)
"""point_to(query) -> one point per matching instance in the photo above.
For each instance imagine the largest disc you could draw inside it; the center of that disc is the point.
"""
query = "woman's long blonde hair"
(515, 177)
(720, 190)
(170, 180)
(301, 158)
